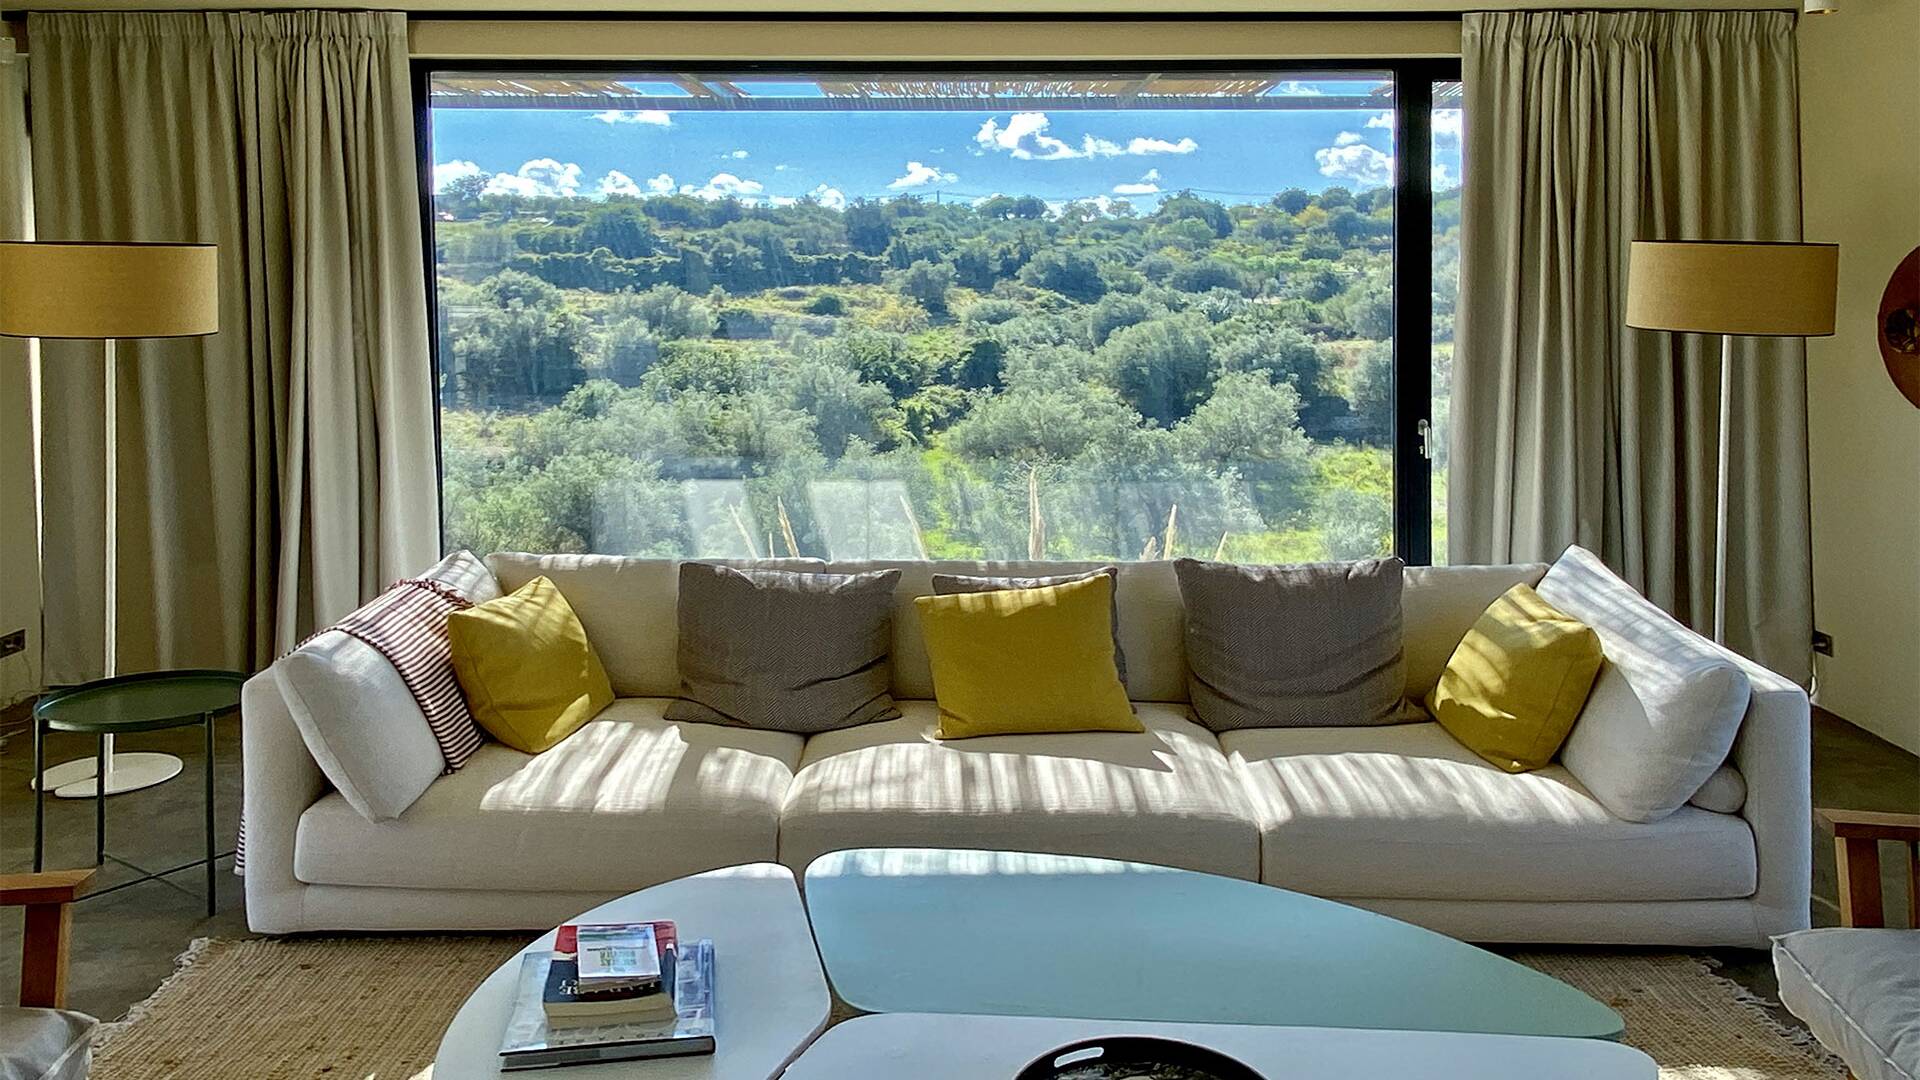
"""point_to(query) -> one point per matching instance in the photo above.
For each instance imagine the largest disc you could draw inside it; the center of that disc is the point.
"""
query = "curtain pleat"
(1586, 132)
(276, 474)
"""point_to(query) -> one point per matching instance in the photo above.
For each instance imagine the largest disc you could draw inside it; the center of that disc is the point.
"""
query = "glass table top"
(946, 931)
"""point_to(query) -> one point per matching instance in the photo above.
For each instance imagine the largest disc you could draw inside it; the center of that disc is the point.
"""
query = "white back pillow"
(356, 715)
(1665, 707)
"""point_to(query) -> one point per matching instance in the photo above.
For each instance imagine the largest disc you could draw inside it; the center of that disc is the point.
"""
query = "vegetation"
(678, 376)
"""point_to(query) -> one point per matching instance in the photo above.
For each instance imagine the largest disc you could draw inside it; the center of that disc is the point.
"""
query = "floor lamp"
(104, 292)
(1733, 288)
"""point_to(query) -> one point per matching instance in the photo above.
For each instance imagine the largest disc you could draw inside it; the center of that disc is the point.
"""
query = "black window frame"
(1412, 271)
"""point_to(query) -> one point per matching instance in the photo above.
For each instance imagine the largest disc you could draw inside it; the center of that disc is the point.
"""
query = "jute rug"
(373, 1008)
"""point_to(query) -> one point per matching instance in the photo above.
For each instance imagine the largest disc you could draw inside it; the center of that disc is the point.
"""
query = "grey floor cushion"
(44, 1044)
(1858, 991)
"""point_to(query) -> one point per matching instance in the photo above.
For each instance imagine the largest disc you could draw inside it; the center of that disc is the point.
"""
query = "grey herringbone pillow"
(783, 650)
(1314, 645)
(948, 584)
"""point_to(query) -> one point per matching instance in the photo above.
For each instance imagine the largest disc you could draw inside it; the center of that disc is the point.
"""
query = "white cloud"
(919, 175)
(541, 176)
(1443, 177)
(722, 186)
(1161, 146)
(1146, 185)
(738, 155)
(831, 198)
(1349, 138)
(1380, 120)
(618, 183)
(1296, 88)
(660, 185)
(654, 117)
(781, 168)
(1355, 163)
(1446, 125)
(1026, 137)
(447, 172)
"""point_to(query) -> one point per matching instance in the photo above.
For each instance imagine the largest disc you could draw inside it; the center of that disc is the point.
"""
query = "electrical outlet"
(1823, 643)
(13, 642)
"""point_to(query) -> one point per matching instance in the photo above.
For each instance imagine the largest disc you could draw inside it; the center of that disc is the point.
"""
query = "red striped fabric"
(407, 624)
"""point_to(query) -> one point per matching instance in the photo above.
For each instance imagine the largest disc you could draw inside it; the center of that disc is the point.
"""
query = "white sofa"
(1402, 819)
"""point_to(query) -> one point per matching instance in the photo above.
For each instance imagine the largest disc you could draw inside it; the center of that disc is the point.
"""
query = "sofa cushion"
(1293, 646)
(1408, 813)
(629, 800)
(1667, 704)
(360, 723)
(1516, 682)
(1166, 795)
(1437, 607)
(952, 584)
(627, 606)
(1858, 990)
(1147, 598)
(1054, 642)
(784, 651)
(527, 668)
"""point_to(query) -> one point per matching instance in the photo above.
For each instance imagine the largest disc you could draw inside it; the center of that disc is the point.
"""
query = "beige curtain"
(1585, 132)
(19, 515)
(279, 472)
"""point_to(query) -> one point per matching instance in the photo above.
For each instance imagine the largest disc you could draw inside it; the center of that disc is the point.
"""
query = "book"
(634, 994)
(569, 1001)
(615, 952)
(531, 1042)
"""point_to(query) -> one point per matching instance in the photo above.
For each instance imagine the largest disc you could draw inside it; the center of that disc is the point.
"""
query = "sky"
(775, 157)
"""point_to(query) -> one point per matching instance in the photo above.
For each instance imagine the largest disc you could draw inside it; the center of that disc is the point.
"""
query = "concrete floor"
(125, 942)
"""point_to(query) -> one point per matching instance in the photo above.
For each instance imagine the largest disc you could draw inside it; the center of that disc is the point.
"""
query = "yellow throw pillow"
(529, 673)
(1517, 681)
(1025, 661)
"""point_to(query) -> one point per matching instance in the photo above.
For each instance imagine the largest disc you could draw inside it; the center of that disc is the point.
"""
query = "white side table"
(772, 998)
(951, 1046)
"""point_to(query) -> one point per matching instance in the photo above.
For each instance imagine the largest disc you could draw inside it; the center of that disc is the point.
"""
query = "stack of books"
(611, 992)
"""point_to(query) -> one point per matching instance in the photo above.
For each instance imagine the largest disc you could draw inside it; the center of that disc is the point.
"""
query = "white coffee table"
(950, 1046)
(772, 998)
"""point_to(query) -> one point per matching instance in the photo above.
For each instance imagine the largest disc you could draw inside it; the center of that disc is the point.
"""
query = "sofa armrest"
(281, 781)
(1774, 753)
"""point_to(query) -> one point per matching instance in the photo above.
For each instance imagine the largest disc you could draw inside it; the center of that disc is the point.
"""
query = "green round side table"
(148, 701)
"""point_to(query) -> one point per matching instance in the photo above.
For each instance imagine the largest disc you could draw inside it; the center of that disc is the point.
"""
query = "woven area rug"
(373, 1008)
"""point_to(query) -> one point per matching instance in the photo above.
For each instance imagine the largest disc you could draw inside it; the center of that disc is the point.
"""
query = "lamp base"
(125, 772)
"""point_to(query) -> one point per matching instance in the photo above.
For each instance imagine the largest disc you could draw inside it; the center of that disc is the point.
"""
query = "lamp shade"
(1748, 288)
(54, 289)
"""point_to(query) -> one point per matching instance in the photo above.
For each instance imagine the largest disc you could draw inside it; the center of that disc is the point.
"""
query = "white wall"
(1860, 101)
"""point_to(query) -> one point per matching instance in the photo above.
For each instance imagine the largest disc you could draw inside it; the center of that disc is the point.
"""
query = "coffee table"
(771, 1002)
(955, 1047)
(927, 930)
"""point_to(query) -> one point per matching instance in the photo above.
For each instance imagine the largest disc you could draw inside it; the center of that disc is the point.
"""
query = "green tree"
(1164, 368)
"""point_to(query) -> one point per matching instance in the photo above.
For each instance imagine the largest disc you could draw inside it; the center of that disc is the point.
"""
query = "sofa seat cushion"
(1409, 813)
(1859, 992)
(1165, 795)
(629, 800)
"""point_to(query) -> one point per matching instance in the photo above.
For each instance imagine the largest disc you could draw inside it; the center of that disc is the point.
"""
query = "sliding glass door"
(844, 313)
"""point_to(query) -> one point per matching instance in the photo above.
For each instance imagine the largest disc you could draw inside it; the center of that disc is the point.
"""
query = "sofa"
(1399, 819)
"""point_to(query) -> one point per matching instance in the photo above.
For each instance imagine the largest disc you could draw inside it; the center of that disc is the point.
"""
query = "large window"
(861, 314)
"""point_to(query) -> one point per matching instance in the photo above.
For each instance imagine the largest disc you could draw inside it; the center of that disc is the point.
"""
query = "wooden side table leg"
(1857, 864)
(43, 957)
